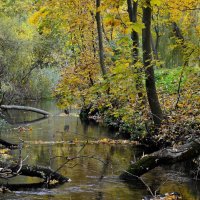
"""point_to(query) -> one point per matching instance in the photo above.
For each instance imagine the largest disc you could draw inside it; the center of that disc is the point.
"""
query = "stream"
(63, 135)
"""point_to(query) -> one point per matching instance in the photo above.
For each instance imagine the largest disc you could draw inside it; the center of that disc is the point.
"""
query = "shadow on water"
(64, 135)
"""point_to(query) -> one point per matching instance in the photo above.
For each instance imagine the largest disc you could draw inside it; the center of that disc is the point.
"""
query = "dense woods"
(130, 64)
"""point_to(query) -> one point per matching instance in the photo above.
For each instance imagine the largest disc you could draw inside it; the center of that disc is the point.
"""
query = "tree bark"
(149, 71)
(153, 46)
(132, 11)
(100, 38)
(26, 108)
(165, 156)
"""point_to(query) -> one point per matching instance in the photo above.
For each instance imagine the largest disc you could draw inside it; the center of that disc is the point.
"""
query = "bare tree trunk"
(100, 38)
(149, 71)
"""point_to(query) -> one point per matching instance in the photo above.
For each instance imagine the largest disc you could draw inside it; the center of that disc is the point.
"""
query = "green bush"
(42, 83)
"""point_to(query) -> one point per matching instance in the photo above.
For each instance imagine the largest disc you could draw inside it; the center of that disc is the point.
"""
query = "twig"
(180, 79)
(83, 147)
(179, 87)
(158, 188)
(77, 157)
(148, 188)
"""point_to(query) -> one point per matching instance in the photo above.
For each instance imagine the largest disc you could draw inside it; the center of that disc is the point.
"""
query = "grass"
(167, 80)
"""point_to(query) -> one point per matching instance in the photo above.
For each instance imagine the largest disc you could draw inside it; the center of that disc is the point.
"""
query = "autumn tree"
(89, 28)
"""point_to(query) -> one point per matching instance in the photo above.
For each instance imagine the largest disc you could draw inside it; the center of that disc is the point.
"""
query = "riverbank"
(42, 141)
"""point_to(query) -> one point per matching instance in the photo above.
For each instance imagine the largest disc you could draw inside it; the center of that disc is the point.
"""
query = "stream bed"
(63, 135)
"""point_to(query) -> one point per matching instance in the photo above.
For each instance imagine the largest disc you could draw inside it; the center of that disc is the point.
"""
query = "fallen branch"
(26, 108)
(162, 157)
(10, 169)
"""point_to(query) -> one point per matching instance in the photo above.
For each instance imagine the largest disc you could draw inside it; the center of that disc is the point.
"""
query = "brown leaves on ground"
(167, 196)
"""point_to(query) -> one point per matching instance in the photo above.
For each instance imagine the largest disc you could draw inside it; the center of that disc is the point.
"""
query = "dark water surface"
(60, 135)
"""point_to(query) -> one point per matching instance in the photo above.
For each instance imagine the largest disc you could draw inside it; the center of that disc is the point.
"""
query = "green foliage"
(23, 50)
(37, 39)
(3, 125)
(15, 52)
(168, 79)
(41, 83)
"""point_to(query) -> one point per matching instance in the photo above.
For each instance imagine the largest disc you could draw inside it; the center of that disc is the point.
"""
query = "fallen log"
(43, 172)
(26, 108)
(8, 144)
(164, 156)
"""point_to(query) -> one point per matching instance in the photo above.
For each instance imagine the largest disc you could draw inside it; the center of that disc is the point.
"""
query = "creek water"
(63, 135)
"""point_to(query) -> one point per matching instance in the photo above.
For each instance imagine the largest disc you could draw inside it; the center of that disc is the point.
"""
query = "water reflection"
(91, 178)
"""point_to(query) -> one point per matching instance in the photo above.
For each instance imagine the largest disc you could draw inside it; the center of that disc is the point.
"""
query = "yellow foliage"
(38, 16)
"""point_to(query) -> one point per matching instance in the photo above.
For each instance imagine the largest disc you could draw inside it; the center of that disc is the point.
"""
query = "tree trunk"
(100, 38)
(165, 156)
(153, 46)
(149, 71)
(132, 11)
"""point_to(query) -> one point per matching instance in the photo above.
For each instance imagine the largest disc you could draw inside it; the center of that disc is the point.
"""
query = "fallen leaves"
(5, 155)
(23, 129)
(166, 196)
(75, 141)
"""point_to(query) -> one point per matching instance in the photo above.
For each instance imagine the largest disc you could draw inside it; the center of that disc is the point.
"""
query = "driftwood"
(26, 108)
(162, 157)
